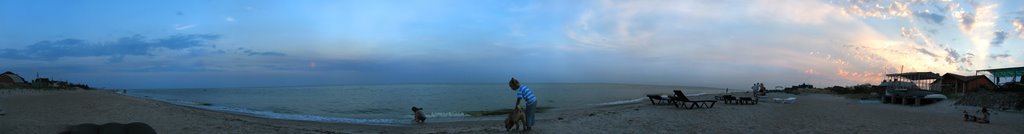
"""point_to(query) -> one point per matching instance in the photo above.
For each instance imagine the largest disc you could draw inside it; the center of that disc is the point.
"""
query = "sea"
(392, 103)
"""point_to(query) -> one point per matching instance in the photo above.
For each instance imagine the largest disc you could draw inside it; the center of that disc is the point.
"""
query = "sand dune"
(50, 111)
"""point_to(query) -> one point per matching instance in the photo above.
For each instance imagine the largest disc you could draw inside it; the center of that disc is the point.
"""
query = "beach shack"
(9, 79)
(911, 88)
(1013, 73)
(953, 83)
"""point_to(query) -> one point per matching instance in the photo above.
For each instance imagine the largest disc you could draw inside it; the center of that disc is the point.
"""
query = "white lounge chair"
(789, 100)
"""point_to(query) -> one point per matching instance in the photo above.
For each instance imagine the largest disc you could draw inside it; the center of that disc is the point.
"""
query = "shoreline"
(443, 116)
(179, 116)
(293, 125)
(813, 113)
(486, 115)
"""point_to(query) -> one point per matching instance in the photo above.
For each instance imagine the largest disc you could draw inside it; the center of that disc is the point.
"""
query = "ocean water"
(390, 104)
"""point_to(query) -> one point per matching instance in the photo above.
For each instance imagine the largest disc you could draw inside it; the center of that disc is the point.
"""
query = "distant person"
(523, 92)
(418, 115)
(754, 88)
(984, 115)
(761, 90)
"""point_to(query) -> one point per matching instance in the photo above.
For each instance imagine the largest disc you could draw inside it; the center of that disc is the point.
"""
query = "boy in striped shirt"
(524, 93)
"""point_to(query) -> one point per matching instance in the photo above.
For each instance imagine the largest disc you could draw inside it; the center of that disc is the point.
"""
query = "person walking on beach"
(524, 93)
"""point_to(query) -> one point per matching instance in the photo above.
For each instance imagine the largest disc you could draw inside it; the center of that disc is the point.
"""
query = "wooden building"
(954, 83)
(9, 79)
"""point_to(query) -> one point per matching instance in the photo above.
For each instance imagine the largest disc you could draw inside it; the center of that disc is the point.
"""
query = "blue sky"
(728, 44)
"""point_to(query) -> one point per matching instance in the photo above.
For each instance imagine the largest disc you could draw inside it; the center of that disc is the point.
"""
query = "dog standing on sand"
(515, 119)
(419, 117)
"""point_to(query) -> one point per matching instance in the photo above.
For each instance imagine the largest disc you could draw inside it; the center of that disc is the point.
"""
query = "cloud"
(251, 52)
(922, 52)
(183, 27)
(1018, 25)
(980, 32)
(169, 67)
(136, 45)
(775, 36)
(930, 17)
(925, 51)
(998, 40)
(966, 20)
(908, 32)
(976, 21)
(998, 56)
(880, 9)
(229, 19)
(954, 57)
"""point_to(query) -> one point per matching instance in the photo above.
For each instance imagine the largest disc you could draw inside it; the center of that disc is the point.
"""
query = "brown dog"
(420, 118)
(517, 116)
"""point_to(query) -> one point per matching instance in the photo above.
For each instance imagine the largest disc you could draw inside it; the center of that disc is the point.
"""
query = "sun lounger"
(748, 100)
(680, 99)
(659, 99)
(729, 98)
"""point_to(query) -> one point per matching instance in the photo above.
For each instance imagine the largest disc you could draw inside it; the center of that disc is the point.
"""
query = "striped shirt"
(525, 93)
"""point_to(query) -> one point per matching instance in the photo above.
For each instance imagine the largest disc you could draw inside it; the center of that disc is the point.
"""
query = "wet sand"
(32, 111)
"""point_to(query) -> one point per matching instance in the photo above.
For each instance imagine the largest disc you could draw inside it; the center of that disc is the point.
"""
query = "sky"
(722, 43)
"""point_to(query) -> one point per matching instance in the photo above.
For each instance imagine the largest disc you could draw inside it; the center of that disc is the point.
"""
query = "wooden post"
(892, 99)
(917, 101)
(885, 99)
(904, 99)
(997, 80)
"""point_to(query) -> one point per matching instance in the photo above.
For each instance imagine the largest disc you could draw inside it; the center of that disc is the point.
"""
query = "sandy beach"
(34, 111)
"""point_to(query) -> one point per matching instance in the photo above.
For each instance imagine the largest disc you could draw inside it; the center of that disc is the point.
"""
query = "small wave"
(447, 114)
(267, 114)
(621, 101)
(273, 115)
(442, 115)
(696, 94)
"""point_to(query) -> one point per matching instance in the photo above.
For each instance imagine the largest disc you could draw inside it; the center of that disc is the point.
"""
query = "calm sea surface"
(392, 103)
